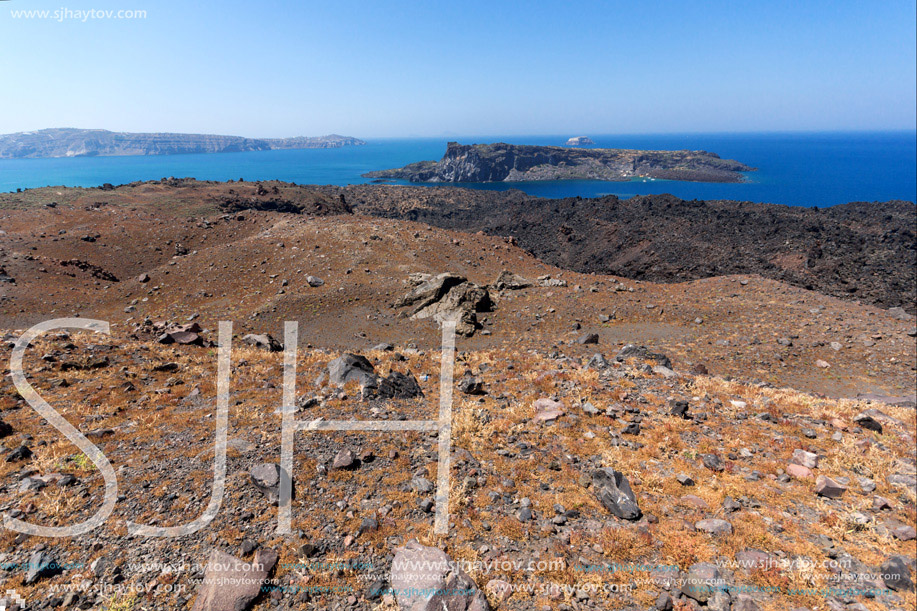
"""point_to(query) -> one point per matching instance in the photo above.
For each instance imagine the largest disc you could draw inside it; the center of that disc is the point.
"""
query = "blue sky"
(387, 69)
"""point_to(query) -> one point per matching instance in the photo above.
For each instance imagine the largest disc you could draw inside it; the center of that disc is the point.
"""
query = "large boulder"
(461, 303)
(447, 297)
(429, 290)
(425, 579)
(352, 368)
(231, 584)
(614, 492)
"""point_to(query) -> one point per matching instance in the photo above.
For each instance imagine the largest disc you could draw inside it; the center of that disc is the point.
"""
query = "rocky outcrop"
(103, 143)
(511, 163)
(447, 297)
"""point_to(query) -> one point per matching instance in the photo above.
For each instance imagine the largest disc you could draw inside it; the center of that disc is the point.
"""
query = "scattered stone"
(614, 492)
(41, 565)
(702, 580)
(143, 278)
(868, 422)
(20, 453)
(498, 589)
(827, 487)
(897, 574)
(679, 409)
(5, 429)
(425, 579)
(806, 459)
(399, 386)
(510, 281)
(344, 460)
(231, 584)
(314, 281)
(547, 410)
(684, 480)
(900, 313)
(266, 477)
(183, 338)
(588, 338)
(664, 602)
(421, 485)
(712, 462)
(714, 526)
(630, 351)
(31, 483)
(798, 471)
(903, 532)
(471, 385)
(264, 341)
(597, 362)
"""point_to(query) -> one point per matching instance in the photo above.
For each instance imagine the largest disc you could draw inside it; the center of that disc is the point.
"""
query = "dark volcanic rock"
(614, 492)
(864, 250)
(398, 385)
(630, 351)
(20, 453)
(352, 367)
(471, 385)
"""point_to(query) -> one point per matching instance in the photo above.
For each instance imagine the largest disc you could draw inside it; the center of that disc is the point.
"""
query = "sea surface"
(805, 169)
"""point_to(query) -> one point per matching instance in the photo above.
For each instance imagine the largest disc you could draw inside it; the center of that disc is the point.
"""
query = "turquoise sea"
(808, 169)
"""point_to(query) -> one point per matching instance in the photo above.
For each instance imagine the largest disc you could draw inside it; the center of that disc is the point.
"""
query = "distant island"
(502, 162)
(69, 142)
(580, 141)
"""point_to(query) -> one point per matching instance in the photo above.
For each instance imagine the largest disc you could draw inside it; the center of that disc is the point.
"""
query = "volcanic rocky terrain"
(726, 439)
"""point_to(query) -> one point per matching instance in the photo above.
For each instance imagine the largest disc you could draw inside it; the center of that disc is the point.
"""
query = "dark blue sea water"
(812, 169)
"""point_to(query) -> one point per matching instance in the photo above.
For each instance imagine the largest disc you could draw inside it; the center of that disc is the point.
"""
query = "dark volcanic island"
(502, 162)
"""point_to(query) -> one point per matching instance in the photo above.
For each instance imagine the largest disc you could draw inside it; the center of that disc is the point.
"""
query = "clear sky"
(373, 68)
